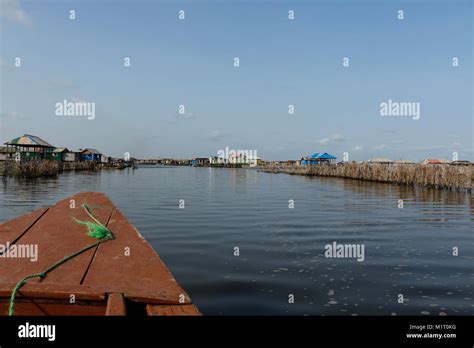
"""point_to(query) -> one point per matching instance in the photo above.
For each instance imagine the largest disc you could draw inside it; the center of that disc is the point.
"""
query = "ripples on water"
(407, 251)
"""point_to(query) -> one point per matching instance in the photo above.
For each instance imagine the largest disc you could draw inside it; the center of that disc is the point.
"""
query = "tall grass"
(33, 168)
(438, 176)
(36, 168)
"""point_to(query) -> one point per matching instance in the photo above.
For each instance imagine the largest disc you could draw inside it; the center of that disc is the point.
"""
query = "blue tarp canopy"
(319, 155)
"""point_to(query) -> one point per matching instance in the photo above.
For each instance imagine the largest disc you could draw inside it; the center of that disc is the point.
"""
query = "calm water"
(407, 251)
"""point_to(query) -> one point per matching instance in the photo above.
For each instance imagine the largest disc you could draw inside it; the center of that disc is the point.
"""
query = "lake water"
(408, 251)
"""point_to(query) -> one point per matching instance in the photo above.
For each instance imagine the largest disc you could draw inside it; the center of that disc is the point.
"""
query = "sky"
(283, 62)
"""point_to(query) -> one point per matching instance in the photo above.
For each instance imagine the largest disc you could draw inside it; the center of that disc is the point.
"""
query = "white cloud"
(12, 11)
(324, 141)
(358, 148)
(337, 137)
(215, 134)
(332, 139)
(381, 147)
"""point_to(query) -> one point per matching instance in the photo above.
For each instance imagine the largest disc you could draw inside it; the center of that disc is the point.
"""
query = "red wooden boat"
(121, 275)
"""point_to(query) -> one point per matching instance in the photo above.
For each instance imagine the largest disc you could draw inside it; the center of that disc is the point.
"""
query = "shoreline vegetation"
(439, 176)
(36, 168)
(449, 177)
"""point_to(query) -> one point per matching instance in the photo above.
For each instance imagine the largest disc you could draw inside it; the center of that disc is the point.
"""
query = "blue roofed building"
(92, 155)
(318, 158)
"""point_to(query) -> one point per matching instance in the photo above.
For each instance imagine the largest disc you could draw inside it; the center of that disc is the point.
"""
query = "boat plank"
(185, 310)
(142, 276)
(115, 305)
(174, 310)
(56, 235)
(12, 230)
(34, 308)
(160, 310)
(76, 268)
(53, 291)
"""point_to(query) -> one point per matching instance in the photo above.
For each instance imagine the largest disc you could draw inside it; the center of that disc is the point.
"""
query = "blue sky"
(282, 62)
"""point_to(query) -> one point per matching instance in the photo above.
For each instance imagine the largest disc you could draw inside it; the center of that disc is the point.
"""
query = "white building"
(243, 158)
(217, 160)
(380, 160)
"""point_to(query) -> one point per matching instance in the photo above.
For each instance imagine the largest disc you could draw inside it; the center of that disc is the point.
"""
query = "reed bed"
(447, 176)
(32, 169)
(36, 168)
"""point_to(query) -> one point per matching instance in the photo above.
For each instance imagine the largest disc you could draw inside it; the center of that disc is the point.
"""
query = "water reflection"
(408, 250)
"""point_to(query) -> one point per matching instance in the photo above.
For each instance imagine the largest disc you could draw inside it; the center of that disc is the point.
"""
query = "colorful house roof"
(320, 155)
(433, 161)
(89, 151)
(29, 140)
(61, 150)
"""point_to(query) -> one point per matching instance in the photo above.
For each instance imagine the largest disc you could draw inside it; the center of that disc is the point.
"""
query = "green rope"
(95, 229)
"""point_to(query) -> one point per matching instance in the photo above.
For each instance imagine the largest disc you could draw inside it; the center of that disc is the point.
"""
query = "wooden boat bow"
(120, 276)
